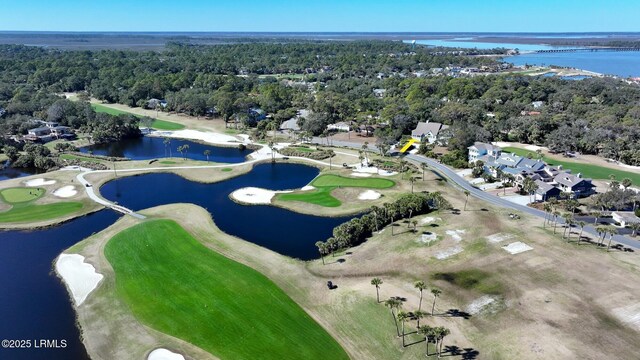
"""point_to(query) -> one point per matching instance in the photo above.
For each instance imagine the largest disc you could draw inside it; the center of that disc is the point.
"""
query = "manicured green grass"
(303, 149)
(79, 157)
(174, 284)
(325, 184)
(21, 194)
(156, 124)
(226, 169)
(167, 162)
(22, 213)
(587, 170)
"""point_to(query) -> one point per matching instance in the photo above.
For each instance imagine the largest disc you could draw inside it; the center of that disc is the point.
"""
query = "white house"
(340, 126)
(478, 150)
(625, 218)
(428, 130)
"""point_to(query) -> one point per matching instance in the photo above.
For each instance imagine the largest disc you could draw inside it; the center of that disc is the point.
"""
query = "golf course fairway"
(174, 284)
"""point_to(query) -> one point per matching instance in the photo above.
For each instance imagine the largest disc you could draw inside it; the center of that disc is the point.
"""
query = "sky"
(322, 15)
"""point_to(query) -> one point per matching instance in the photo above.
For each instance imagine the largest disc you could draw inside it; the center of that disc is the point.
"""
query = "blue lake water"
(461, 43)
(34, 303)
(14, 173)
(624, 63)
(146, 148)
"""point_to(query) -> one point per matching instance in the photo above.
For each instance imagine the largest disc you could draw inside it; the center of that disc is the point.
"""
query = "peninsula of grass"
(587, 170)
(19, 195)
(25, 213)
(325, 184)
(174, 284)
(156, 124)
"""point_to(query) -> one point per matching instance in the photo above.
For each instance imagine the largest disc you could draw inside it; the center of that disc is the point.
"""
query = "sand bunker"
(164, 354)
(477, 305)
(253, 195)
(373, 170)
(629, 315)
(428, 220)
(369, 195)
(446, 253)
(517, 247)
(39, 182)
(81, 278)
(427, 238)
(499, 237)
(65, 191)
(307, 188)
(455, 234)
(356, 174)
(210, 137)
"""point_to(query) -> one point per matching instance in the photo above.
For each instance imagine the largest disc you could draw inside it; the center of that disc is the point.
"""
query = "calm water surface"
(606, 62)
(146, 148)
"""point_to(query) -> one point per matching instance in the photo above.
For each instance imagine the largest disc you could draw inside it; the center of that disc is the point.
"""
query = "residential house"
(62, 132)
(574, 184)
(537, 104)
(625, 218)
(379, 93)
(546, 191)
(479, 150)
(41, 131)
(155, 103)
(257, 114)
(290, 125)
(428, 130)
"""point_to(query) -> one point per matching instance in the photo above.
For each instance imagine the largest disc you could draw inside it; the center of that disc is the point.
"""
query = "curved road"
(446, 172)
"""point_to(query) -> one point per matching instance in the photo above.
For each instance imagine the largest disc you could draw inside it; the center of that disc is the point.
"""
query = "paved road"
(492, 199)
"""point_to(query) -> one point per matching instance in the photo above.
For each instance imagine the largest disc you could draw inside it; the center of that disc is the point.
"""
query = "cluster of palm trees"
(183, 149)
(431, 334)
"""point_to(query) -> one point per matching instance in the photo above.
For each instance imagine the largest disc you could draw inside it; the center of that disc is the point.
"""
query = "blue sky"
(322, 15)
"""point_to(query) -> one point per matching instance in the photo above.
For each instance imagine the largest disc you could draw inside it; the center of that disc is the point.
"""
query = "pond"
(7, 172)
(34, 303)
(147, 147)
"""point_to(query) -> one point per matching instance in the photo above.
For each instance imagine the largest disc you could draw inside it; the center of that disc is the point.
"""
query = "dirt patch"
(517, 248)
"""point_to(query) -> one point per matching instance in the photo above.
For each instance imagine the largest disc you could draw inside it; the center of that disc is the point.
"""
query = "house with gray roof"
(573, 184)
(546, 191)
(479, 150)
(428, 130)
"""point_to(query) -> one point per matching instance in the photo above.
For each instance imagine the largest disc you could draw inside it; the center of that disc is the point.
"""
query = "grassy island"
(24, 210)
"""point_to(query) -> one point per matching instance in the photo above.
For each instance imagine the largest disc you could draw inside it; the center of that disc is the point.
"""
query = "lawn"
(587, 170)
(325, 184)
(21, 194)
(156, 124)
(79, 157)
(174, 284)
(21, 213)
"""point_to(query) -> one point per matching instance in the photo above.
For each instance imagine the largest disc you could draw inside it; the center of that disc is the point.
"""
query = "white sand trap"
(517, 247)
(455, 234)
(427, 238)
(533, 147)
(428, 220)
(210, 137)
(39, 182)
(65, 191)
(372, 170)
(501, 144)
(81, 278)
(357, 174)
(164, 354)
(307, 188)
(446, 253)
(499, 237)
(477, 305)
(253, 195)
(629, 314)
(369, 195)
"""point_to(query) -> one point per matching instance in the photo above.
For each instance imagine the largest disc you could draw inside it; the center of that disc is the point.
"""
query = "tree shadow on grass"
(466, 353)
(457, 313)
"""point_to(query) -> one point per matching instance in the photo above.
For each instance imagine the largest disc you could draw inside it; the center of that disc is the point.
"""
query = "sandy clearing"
(307, 188)
(499, 237)
(372, 170)
(533, 147)
(357, 174)
(447, 253)
(428, 220)
(164, 354)
(39, 182)
(427, 238)
(369, 195)
(209, 137)
(265, 152)
(66, 191)
(629, 314)
(455, 234)
(81, 278)
(477, 305)
(255, 196)
(517, 248)
(501, 144)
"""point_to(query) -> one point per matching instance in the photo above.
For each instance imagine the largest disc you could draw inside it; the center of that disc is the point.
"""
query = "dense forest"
(335, 80)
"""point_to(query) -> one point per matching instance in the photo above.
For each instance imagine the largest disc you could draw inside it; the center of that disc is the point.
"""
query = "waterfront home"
(339, 126)
(479, 150)
(428, 130)
(625, 218)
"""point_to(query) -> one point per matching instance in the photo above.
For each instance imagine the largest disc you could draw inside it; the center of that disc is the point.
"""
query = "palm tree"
(271, 145)
(415, 225)
(322, 248)
(437, 333)
(412, 180)
(567, 222)
(547, 213)
(582, 225)
(466, 194)
(424, 167)
(555, 220)
(167, 144)
(436, 293)
(365, 147)
(530, 187)
(443, 333)
(596, 215)
(613, 182)
(420, 285)
(377, 282)
(361, 158)
(635, 227)
(612, 231)
(394, 304)
(419, 314)
(403, 316)
(207, 153)
(626, 183)
(602, 233)
(427, 332)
